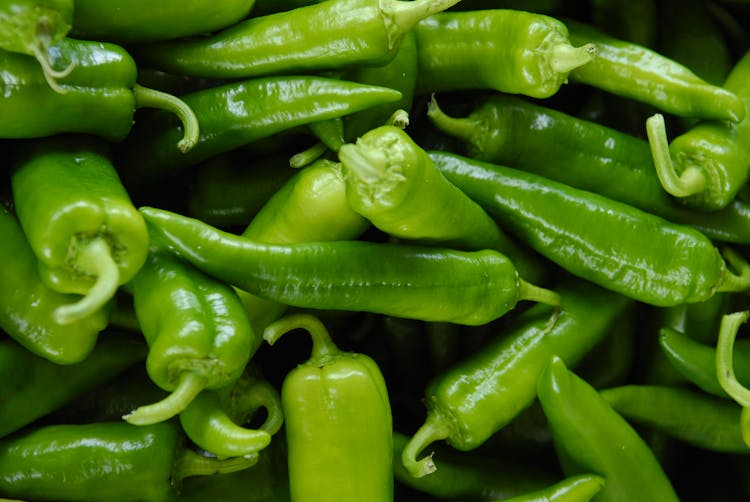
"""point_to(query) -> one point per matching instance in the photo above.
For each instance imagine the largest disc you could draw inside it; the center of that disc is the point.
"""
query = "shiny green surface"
(26, 25)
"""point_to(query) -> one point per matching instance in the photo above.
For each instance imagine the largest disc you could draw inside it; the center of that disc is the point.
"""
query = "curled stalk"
(40, 51)
(730, 325)
(151, 98)
(690, 182)
(433, 429)
(189, 386)
(94, 258)
(565, 58)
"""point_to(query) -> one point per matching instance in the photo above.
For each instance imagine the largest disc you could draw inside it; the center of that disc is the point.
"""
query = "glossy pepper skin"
(235, 114)
(636, 72)
(79, 220)
(327, 35)
(590, 436)
(417, 282)
(517, 133)
(26, 308)
(505, 50)
(128, 22)
(102, 78)
(196, 329)
(31, 26)
(707, 166)
(99, 461)
(338, 421)
(609, 243)
(475, 398)
(22, 374)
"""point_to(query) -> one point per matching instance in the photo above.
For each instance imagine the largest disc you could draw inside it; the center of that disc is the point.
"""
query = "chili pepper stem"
(434, 429)
(730, 325)
(730, 281)
(190, 463)
(151, 98)
(262, 395)
(461, 128)
(565, 58)
(399, 118)
(528, 291)
(323, 348)
(402, 16)
(94, 258)
(50, 74)
(189, 385)
(691, 181)
(308, 156)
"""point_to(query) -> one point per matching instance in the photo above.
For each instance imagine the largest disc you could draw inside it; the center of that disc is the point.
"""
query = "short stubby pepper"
(32, 26)
(113, 461)
(27, 307)
(98, 96)
(128, 22)
(79, 220)
(197, 332)
(417, 282)
(338, 421)
(324, 36)
(505, 50)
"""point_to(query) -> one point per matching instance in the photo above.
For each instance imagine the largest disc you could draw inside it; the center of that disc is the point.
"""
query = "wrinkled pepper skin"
(27, 307)
(67, 193)
(102, 77)
(22, 374)
(127, 21)
(112, 461)
(338, 422)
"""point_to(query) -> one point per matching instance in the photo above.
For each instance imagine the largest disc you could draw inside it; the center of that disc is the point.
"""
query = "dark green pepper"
(327, 35)
(85, 232)
(197, 332)
(113, 461)
(32, 26)
(127, 22)
(431, 284)
(31, 387)
(99, 96)
(337, 419)
(27, 307)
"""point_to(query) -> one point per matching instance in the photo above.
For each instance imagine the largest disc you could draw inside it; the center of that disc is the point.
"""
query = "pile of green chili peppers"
(374, 250)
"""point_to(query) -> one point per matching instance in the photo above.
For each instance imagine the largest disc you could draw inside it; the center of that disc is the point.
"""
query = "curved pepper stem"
(94, 258)
(308, 156)
(261, 394)
(189, 386)
(690, 182)
(730, 281)
(730, 325)
(461, 128)
(434, 429)
(151, 98)
(565, 58)
(51, 75)
(323, 348)
(190, 463)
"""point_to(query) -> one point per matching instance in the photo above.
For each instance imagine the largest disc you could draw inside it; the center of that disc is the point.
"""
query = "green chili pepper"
(706, 166)
(393, 183)
(27, 305)
(506, 50)
(323, 36)
(310, 207)
(697, 361)
(128, 22)
(196, 329)
(609, 243)
(471, 476)
(213, 419)
(229, 190)
(474, 399)
(79, 220)
(690, 416)
(235, 114)
(581, 488)
(31, 387)
(431, 284)
(636, 72)
(338, 421)
(32, 26)
(99, 95)
(590, 436)
(113, 461)
(580, 153)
